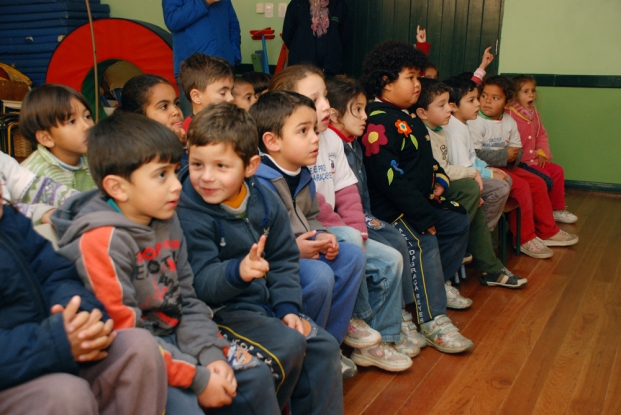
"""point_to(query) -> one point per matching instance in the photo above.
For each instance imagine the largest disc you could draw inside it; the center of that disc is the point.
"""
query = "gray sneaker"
(536, 248)
(348, 367)
(564, 216)
(410, 331)
(444, 336)
(382, 355)
(562, 238)
(454, 299)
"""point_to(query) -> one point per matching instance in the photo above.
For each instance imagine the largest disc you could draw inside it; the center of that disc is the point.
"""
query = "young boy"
(497, 142)
(243, 93)
(286, 122)
(406, 185)
(66, 360)
(129, 250)
(434, 109)
(246, 261)
(55, 118)
(464, 102)
(205, 80)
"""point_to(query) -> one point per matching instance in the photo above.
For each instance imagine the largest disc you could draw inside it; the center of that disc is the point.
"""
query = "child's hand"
(481, 201)
(253, 265)
(499, 174)
(218, 392)
(46, 216)
(332, 249)
(438, 189)
(181, 135)
(512, 154)
(310, 249)
(479, 180)
(542, 161)
(293, 321)
(223, 369)
(487, 58)
(421, 35)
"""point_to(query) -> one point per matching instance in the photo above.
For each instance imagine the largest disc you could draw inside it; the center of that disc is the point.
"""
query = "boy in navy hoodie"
(246, 261)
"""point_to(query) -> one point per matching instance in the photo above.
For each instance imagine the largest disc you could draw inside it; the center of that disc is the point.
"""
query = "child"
(434, 109)
(55, 118)
(534, 137)
(205, 80)
(243, 93)
(497, 142)
(259, 81)
(341, 213)
(67, 359)
(464, 102)
(129, 249)
(348, 120)
(246, 261)
(155, 97)
(406, 184)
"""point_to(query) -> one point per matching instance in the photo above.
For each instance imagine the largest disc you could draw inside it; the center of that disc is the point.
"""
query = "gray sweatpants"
(130, 380)
(495, 194)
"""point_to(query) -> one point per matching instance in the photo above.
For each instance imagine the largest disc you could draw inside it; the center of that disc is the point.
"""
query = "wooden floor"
(551, 348)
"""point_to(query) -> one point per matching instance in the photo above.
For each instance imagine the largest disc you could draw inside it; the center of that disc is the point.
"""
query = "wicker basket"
(22, 147)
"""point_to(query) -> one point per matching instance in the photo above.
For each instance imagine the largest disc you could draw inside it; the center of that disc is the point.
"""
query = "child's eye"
(162, 174)
(222, 166)
(88, 116)
(196, 164)
(303, 130)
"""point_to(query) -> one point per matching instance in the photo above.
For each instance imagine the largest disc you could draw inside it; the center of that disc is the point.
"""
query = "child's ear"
(387, 84)
(271, 141)
(196, 96)
(253, 165)
(44, 138)
(422, 114)
(334, 116)
(116, 187)
(453, 107)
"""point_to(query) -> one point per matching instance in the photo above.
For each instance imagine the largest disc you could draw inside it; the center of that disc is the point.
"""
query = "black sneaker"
(503, 278)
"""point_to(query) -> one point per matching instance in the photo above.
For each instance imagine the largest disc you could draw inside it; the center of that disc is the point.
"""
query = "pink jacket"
(532, 133)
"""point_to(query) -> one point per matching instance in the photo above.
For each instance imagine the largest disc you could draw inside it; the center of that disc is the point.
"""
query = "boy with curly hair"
(406, 186)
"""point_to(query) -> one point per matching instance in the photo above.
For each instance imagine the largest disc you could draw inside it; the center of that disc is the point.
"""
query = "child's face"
(315, 88)
(68, 140)
(216, 172)
(353, 122)
(527, 94)
(438, 113)
(431, 73)
(244, 96)
(493, 101)
(405, 90)
(299, 144)
(163, 106)
(152, 192)
(218, 91)
(468, 107)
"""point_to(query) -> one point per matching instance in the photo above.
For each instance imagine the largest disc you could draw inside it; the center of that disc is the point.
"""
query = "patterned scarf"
(530, 114)
(319, 17)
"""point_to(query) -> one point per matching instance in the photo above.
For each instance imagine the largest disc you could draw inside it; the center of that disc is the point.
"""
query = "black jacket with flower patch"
(401, 170)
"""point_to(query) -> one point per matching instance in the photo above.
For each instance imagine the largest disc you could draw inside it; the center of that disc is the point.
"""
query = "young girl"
(536, 156)
(379, 300)
(155, 97)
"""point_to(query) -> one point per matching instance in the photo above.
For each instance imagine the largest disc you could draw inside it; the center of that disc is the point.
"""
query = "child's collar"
(435, 130)
(341, 135)
(489, 118)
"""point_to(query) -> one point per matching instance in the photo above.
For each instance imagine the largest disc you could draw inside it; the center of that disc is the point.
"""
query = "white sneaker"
(454, 299)
(410, 331)
(444, 336)
(562, 238)
(383, 356)
(359, 334)
(406, 347)
(564, 216)
(536, 248)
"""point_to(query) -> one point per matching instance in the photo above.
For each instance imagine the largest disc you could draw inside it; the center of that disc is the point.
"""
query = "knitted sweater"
(43, 163)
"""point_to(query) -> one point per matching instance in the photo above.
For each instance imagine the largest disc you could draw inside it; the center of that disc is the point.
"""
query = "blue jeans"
(379, 300)
(329, 288)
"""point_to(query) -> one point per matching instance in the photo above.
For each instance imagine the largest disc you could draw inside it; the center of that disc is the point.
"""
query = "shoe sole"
(449, 350)
(569, 222)
(367, 362)
(458, 307)
(548, 242)
(534, 255)
(500, 284)
(360, 345)
(408, 354)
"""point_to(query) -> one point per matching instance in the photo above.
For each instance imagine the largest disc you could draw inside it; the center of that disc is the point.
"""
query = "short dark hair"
(459, 87)
(272, 110)
(259, 80)
(384, 63)
(341, 91)
(47, 106)
(239, 80)
(198, 71)
(225, 123)
(504, 82)
(123, 142)
(430, 89)
(520, 80)
(287, 79)
(137, 92)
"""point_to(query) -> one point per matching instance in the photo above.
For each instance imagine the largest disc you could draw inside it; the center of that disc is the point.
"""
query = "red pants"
(557, 194)
(531, 193)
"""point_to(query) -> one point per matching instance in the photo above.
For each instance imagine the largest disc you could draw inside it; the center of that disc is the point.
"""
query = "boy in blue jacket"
(246, 261)
(65, 359)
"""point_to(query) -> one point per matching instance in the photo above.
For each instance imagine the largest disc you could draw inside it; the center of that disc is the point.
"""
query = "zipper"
(295, 209)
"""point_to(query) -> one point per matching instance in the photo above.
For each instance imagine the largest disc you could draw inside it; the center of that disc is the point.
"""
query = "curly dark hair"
(503, 82)
(459, 88)
(383, 64)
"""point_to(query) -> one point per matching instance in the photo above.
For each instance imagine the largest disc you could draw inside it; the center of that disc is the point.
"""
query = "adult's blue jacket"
(33, 278)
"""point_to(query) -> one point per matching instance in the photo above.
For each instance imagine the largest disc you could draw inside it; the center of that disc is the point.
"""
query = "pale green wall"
(577, 38)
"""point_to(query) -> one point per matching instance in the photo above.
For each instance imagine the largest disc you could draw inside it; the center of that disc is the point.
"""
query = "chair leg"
(502, 238)
(463, 272)
(518, 230)
(456, 277)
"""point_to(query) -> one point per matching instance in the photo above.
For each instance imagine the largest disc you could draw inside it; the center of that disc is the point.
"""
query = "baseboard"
(600, 187)
(576, 81)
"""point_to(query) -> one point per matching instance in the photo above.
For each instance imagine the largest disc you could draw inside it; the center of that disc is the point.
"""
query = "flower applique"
(391, 174)
(374, 138)
(403, 127)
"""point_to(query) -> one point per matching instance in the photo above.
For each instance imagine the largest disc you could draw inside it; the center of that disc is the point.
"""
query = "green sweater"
(43, 163)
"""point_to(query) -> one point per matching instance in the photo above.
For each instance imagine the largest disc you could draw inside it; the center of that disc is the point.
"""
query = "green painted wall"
(578, 38)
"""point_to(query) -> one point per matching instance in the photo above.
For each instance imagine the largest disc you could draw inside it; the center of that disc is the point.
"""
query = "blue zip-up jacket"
(197, 27)
(33, 279)
(218, 241)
